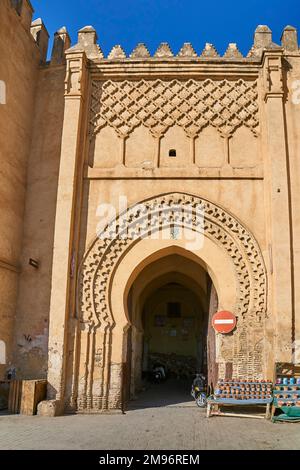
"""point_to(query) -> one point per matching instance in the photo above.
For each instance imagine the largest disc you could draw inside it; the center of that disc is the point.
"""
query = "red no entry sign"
(224, 322)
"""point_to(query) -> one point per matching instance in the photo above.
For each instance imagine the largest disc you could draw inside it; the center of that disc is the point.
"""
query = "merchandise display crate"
(286, 393)
(241, 393)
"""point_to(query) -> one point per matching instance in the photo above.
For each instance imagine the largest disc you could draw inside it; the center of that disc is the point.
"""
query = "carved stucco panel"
(160, 104)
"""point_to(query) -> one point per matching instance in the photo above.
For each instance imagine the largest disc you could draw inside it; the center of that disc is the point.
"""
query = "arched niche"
(141, 148)
(106, 149)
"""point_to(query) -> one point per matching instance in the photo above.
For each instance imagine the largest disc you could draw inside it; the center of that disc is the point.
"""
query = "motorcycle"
(158, 374)
(199, 391)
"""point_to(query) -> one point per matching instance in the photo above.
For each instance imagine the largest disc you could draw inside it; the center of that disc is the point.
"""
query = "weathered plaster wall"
(237, 145)
(293, 135)
(31, 332)
(18, 69)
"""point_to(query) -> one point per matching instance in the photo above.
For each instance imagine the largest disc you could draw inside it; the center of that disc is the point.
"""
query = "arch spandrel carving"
(220, 226)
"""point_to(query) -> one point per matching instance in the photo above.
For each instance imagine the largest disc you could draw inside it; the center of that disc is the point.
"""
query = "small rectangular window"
(174, 310)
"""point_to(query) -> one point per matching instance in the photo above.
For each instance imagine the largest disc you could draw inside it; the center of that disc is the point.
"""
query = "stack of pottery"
(244, 390)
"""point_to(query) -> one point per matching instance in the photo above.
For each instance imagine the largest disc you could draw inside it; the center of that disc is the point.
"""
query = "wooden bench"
(214, 407)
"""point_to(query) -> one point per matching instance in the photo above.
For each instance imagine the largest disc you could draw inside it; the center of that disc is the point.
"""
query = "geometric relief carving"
(160, 104)
(100, 261)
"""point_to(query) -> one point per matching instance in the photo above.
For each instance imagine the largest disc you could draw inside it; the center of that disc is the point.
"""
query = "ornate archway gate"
(97, 384)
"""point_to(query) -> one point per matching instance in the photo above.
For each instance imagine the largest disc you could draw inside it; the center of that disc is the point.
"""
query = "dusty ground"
(160, 419)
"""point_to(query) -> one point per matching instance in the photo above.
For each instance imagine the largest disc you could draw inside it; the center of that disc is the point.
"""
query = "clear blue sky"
(128, 22)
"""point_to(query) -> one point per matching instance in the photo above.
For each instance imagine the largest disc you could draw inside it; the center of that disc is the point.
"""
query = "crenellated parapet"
(87, 40)
(289, 39)
(61, 43)
(41, 37)
(37, 29)
(25, 11)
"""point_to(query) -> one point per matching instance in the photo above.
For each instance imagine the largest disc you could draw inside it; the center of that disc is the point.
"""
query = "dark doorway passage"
(175, 330)
(169, 306)
(172, 393)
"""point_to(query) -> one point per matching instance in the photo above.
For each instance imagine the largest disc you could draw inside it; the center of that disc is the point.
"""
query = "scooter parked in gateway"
(158, 374)
(199, 391)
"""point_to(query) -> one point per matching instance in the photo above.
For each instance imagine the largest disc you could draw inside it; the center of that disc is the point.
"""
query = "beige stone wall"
(147, 140)
(18, 69)
(31, 332)
(225, 130)
(293, 135)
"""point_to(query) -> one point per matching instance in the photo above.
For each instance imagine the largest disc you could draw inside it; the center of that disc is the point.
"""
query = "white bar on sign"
(224, 322)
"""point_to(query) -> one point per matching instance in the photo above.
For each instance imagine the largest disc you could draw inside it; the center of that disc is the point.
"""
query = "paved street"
(158, 420)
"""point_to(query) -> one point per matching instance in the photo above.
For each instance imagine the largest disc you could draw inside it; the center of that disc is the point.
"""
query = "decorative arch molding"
(219, 225)
(102, 258)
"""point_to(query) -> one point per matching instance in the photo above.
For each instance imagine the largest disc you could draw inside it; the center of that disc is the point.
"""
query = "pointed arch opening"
(169, 305)
(230, 255)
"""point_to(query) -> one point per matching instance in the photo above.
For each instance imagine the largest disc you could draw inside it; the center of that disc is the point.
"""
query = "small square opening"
(172, 153)
(174, 310)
